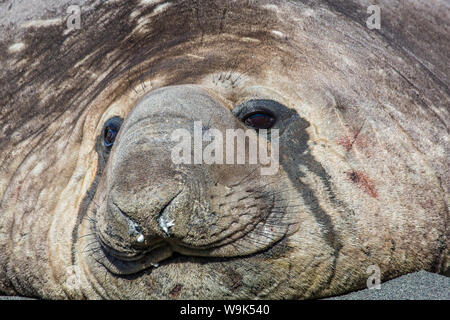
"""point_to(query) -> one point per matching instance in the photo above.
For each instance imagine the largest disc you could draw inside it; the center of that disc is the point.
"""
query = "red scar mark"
(363, 181)
(348, 141)
(19, 187)
(176, 290)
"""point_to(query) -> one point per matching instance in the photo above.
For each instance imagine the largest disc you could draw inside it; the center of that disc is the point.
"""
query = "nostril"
(127, 243)
(137, 239)
(135, 230)
(165, 224)
(163, 219)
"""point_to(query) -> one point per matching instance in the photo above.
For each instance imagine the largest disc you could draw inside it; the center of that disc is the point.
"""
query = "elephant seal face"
(150, 207)
(103, 181)
(156, 218)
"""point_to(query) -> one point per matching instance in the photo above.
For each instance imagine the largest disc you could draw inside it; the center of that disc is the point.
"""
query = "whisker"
(91, 243)
(87, 235)
(90, 250)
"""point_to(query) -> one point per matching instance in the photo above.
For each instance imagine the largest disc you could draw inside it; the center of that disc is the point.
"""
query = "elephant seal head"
(105, 192)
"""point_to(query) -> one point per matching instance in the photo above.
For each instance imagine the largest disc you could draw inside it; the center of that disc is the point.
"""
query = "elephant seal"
(92, 206)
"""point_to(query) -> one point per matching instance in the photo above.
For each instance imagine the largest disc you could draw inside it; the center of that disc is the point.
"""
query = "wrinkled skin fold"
(363, 175)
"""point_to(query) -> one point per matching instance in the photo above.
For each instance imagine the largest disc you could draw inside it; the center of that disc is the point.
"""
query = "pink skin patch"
(18, 188)
(363, 181)
(354, 138)
(346, 142)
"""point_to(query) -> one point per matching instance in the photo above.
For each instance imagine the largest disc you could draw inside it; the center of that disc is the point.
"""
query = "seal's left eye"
(112, 127)
(110, 136)
(259, 120)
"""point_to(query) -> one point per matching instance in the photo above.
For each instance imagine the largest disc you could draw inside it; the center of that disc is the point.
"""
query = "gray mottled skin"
(363, 176)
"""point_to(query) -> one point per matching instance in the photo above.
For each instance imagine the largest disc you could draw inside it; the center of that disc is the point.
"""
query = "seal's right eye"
(110, 136)
(112, 128)
(259, 120)
(264, 114)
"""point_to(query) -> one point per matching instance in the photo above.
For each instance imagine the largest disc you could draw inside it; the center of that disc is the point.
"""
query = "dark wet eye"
(259, 120)
(264, 114)
(110, 136)
(112, 127)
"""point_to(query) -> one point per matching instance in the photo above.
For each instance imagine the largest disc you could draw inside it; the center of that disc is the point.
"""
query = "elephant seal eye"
(110, 136)
(259, 120)
(112, 127)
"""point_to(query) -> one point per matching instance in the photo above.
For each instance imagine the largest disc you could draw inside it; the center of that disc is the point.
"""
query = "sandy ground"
(421, 285)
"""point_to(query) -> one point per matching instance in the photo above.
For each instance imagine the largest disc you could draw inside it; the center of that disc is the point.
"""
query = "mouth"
(125, 255)
(130, 261)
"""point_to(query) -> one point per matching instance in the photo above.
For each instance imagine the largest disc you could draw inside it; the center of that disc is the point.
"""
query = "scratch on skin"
(363, 181)
(346, 142)
(349, 140)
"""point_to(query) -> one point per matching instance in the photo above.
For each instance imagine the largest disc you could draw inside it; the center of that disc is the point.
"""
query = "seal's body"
(93, 205)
